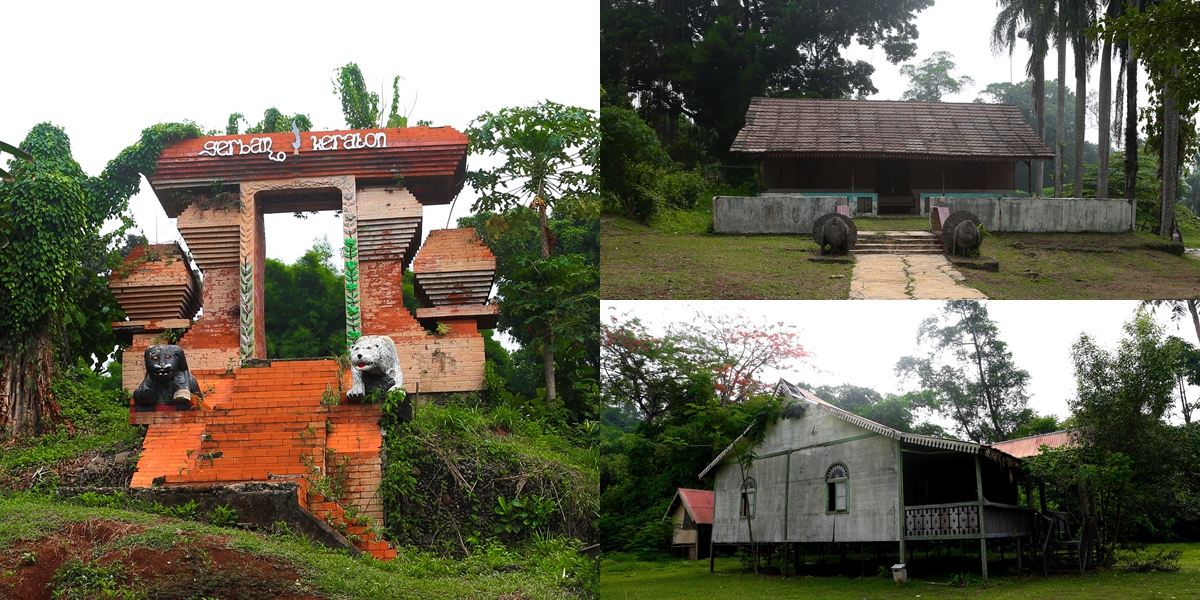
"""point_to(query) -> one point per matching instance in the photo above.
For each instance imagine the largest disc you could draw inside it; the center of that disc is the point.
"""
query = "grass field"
(1083, 266)
(675, 578)
(644, 262)
(676, 258)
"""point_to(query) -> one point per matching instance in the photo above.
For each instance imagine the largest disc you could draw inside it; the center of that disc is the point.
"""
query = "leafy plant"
(223, 516)
(531, 514)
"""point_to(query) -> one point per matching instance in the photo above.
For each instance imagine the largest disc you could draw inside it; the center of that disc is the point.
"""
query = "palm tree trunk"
(1061, 113)
(1131, 123)
(27, 406)
(1105, 115)
(1080, 108)
(1039, 102)
(1170, 162)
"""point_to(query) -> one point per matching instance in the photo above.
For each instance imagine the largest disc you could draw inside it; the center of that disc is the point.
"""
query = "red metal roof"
(699, 503)
(874, 128)
(1031, 446)
(432, 160)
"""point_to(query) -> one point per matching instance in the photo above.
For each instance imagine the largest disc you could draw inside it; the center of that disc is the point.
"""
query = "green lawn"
(637, 261)
(683, 579)
(1083, 266)
(675, 258)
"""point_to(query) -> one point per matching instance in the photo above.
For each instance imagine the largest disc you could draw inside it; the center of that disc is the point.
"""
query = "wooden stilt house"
(823, 474)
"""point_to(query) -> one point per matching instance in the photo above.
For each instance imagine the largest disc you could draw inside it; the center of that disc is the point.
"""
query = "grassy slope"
(674, 258)
(25, 517)
(688, 579)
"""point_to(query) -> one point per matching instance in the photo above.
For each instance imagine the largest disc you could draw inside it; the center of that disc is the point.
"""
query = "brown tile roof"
(875, 128)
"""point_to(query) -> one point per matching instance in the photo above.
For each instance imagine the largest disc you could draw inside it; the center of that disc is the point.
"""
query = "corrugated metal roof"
(699, 503)
(875, 128)
(1031, 446)
(991, 451)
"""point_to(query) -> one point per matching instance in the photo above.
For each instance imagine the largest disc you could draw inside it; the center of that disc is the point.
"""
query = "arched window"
(748, 492)
(835, 484)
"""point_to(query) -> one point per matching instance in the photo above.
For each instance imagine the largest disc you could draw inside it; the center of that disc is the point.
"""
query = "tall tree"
(928, 81)
(1031, 20)
(54, 304)
(1060, 43)
(968, 373)
(1081, 17)
(1112, 8)
(551, 156)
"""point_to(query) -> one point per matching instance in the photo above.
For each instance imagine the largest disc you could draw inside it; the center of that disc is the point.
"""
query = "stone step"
(892, 251)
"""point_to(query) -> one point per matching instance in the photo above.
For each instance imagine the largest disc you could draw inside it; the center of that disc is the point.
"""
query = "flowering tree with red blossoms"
(727, 353)
(738, 349)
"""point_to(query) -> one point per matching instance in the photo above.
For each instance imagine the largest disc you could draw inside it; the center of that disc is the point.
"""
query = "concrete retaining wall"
(258, 504)
(750, 215)
(1046, 215)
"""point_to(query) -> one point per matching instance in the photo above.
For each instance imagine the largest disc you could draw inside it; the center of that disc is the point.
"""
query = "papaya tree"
(550, 155)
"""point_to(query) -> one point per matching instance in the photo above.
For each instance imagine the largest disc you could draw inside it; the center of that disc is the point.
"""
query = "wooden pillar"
(712, 556)
(900, 499)
(1018, 555)
(783, 565)
(982, 528)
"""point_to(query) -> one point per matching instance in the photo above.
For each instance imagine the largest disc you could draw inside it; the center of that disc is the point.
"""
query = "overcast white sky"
(964, 28)
(106, 70)
(859, 342)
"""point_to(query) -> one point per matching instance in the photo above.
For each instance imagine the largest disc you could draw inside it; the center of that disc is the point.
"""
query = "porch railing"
(962, 519)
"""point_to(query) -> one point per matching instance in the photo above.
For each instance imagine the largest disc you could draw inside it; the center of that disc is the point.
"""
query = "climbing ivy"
(52, 272)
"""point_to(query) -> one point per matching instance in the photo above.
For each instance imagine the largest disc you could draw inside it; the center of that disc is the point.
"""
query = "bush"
(681, 189)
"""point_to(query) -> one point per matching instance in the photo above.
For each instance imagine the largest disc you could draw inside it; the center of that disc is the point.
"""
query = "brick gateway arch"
(259, 419)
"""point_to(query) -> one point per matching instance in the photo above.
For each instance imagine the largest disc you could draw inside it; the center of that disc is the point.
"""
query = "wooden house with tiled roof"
(892, 156)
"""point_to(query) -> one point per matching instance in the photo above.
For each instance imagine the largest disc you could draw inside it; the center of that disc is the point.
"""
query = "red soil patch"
(197, 566)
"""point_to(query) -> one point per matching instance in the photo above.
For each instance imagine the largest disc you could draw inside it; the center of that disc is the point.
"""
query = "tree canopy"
(706, 60)
(932, 78)
(968, 373)
(305, 306)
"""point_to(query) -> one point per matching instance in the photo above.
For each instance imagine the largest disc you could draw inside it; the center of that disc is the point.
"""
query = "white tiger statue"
(374, 366)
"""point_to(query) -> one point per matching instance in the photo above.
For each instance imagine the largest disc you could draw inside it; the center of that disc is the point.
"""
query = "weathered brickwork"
(259, 423)
(155, 282)
(213, 340)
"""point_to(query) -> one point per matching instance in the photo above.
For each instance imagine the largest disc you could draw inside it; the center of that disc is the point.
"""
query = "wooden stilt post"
(900, 499)
(784, 564)
(982, 529)
(712, 556)
(1018, 556)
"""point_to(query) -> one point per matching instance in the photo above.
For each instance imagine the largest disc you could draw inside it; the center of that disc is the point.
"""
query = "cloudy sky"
(859, 342)
(106, 70)
(964, 28)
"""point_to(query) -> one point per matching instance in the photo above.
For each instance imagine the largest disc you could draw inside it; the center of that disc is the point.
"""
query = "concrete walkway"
(908, 277)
